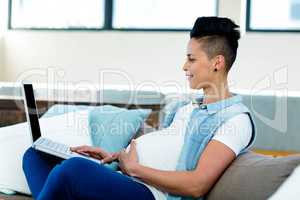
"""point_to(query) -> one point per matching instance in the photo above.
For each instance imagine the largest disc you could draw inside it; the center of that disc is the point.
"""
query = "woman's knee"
(64, 177)
(28, 157)
(70, 167)
(75, 163)
(68, 172)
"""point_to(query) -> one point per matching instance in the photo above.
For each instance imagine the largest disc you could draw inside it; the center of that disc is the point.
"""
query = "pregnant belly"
(159, 150)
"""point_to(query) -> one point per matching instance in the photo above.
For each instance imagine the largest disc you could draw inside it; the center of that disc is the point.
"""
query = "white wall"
(3, 20)
(268, 56)
(1, 60)
(143, 56)
(155, 57)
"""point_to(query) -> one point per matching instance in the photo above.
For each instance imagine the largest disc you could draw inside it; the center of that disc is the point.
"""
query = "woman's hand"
(95, 152)
(129, 161)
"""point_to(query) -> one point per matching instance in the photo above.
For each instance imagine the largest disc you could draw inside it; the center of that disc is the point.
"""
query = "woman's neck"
(216, 92)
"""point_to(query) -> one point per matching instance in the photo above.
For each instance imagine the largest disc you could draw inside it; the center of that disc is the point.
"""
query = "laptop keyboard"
(58, 149)
(54, 146)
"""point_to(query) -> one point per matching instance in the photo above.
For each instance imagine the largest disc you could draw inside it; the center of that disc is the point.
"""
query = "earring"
(215, 69)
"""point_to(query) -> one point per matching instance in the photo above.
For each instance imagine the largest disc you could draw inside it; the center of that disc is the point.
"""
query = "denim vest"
(204, 121)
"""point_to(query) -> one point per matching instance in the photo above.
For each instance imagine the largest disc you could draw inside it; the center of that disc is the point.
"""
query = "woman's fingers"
(132, 147)
(110, 159)
(86, 149)
(101, 153)
(75, 148)
(94, 152)
(122, 155)
(79, 148)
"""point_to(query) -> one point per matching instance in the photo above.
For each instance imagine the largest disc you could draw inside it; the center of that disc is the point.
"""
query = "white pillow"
(290, 188)
(70, 129)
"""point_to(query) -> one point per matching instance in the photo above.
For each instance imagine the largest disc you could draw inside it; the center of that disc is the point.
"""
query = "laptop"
(41, 143)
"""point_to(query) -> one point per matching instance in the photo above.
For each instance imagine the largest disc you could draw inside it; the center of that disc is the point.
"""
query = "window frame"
(249, 29)
(108, 22)
(105, 25)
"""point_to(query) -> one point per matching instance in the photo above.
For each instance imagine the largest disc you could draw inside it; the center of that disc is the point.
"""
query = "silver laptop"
(41, 143)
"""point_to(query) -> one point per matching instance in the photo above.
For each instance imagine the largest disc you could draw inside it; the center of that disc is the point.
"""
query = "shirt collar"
(217, 106)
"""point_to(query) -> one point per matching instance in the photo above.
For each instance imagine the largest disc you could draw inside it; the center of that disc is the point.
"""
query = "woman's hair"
(218, 36)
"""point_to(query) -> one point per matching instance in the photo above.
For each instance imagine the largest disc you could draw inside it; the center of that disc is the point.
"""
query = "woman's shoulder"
(235, 133)
(240, 121)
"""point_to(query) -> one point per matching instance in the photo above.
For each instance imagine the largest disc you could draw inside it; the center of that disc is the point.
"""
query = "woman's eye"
(191, 59)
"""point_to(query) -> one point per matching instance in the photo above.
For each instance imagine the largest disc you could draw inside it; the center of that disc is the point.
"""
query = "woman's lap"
(78, 178)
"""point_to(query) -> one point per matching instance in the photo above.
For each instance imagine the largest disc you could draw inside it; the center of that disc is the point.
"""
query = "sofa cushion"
(253, 177)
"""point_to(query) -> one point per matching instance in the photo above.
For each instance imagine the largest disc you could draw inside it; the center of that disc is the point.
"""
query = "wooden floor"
(275, 153)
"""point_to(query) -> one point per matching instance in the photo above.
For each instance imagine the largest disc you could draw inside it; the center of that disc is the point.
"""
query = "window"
(158, 14)
(57, 14)
(270, 15)
(109, 14)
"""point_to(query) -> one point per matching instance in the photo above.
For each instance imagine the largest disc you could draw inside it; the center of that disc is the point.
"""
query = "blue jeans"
(51, 178)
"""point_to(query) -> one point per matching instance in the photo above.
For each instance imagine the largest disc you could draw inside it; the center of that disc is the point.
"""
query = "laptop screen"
(31, 111)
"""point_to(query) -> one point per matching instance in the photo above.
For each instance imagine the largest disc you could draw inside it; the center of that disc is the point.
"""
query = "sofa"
(252, 175)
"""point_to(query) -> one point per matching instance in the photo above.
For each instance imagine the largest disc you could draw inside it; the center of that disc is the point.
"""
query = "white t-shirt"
(161, 149)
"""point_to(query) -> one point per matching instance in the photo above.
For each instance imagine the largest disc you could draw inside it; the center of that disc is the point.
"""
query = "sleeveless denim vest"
(204, 121)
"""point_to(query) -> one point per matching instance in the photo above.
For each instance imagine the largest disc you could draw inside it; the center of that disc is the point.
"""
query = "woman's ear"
(219, 63)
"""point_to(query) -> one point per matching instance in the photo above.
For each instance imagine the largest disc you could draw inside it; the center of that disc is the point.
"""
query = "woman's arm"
(214, 160)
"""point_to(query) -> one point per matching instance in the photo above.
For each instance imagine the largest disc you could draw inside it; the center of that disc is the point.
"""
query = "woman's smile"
(189, 76)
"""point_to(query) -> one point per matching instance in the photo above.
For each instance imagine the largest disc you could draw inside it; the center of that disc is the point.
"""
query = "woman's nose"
(185, 67)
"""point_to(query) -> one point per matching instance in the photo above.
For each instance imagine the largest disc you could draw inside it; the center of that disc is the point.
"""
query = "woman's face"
(198, 67)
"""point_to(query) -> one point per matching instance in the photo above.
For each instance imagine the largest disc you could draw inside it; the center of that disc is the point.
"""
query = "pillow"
(14, 140)
(112, 128)
(60, 109)
(70, 128)
(253, 176)
(290, 188)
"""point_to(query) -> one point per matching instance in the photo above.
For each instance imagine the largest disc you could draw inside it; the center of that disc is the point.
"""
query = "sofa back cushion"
(253, 176)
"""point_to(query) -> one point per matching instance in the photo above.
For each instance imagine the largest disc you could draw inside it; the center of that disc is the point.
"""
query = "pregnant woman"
(200, 139)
